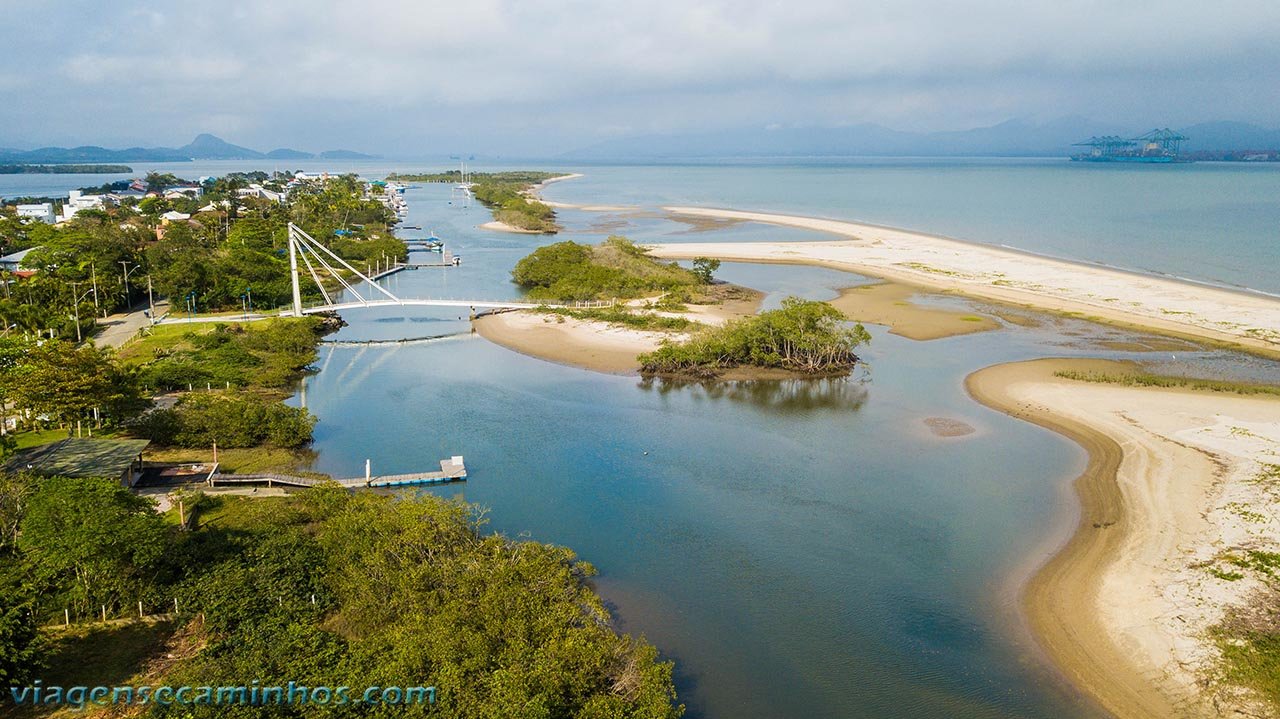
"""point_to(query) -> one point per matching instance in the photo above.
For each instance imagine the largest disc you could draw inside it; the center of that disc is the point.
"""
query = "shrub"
(802, 336)
(231, 420)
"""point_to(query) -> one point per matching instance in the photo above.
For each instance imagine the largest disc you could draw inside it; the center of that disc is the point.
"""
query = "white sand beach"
(1171, 488)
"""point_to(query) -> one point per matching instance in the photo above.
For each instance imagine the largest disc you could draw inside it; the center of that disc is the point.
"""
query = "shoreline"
(1122, 607)
(1006, 276)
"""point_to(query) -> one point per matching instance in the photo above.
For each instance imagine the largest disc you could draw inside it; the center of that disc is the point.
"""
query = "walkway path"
(118, 328)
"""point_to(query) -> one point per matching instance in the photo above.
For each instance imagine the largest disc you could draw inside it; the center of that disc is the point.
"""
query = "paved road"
(117, 329)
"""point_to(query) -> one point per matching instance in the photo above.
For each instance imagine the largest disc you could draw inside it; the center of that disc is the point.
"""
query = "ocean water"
(1212, 222)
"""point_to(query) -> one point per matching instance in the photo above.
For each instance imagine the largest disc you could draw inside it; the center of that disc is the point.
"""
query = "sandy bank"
(601, 346)
(889, 303)
(992, 273)
(1123, 607)
(595, 346)
(497, 226)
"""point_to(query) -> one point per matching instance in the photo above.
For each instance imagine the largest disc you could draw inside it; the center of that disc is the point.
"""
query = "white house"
(42, 212)
(174, 193)
(257, 190)
(77, 201)
(174, 216)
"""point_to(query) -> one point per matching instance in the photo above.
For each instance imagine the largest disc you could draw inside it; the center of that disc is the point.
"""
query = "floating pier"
(452, 469)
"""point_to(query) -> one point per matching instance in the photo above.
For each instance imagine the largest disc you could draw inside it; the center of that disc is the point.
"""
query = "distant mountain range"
(1014, 138)
(204, 147)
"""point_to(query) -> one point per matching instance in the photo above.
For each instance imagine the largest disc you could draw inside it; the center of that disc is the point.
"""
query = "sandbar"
(1123, 607)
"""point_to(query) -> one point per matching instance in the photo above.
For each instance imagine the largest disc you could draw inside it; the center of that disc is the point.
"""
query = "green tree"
(91, 542)
(69, 382)
(19, 649)
(703, 267)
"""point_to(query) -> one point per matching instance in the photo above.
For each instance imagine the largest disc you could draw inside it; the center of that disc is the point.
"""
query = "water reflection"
(782, 396)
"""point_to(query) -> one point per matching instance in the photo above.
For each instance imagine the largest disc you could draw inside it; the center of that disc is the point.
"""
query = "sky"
(540, 77)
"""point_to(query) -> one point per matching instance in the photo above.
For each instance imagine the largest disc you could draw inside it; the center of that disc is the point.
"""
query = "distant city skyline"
(542, 78)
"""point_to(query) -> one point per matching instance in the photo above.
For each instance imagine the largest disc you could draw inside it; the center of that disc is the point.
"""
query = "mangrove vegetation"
(803, 336)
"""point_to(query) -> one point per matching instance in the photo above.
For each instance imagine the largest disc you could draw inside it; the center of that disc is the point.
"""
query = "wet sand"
(1122, 608)
(889, 303)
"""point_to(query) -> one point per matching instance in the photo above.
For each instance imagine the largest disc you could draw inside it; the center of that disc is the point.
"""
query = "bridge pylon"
(305, 246)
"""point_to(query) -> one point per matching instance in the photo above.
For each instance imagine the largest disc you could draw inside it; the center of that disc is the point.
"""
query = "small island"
(613, 308)
(24, 169)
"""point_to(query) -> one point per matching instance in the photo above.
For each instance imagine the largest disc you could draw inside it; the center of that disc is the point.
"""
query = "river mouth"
(800, 550)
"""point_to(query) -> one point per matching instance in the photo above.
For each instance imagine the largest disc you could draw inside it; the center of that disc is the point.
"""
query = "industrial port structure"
(1157, 146)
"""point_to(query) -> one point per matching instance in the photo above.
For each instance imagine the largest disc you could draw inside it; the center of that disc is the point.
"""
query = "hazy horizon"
(540, 79)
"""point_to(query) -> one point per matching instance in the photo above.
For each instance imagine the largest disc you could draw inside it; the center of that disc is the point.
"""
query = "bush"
(567, 271)
(231, 420)
(803, 336)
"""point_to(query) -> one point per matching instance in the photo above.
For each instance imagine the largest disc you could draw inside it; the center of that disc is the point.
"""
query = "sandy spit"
(596, 346)
(497, 226)
(1122, 608)
(991, 273)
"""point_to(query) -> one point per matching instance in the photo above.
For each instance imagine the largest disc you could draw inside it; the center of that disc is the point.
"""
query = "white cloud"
(594, 65)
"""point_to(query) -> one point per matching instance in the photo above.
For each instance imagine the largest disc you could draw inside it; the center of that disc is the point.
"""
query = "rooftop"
(79, 458)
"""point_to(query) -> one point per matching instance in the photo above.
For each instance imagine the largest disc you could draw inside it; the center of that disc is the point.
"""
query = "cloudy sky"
(545, 76)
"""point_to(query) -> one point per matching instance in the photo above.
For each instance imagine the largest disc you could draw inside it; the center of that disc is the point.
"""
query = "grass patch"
(1145, 379)
(624, 317)
(112, 654)
(239, 461)
(38, 437)
(1249, 640)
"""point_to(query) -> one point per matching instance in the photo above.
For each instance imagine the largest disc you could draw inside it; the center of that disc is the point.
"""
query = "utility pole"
(151, 302)
(128, 296)
(93, 272)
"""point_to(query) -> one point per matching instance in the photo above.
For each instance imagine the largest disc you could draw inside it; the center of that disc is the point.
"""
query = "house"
(119, 459)
(215, 206)
(174, 216)
(77, 201)
(12, 262)
(177, 193)
(257, 190)
(42, 212)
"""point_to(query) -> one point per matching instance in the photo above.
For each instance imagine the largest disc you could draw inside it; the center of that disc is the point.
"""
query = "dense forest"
(323, 588)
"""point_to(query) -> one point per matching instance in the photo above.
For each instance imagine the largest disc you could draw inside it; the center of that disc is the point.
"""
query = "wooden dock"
(451, 470)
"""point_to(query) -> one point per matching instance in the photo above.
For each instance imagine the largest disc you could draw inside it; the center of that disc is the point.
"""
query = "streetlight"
(125, 269)
(151, 302)
(75, 306)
